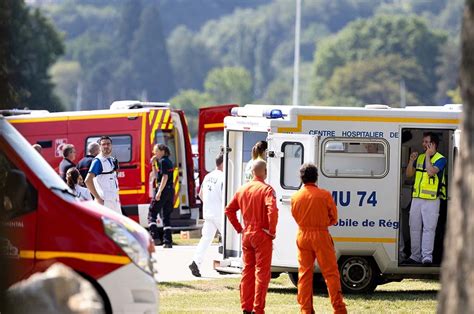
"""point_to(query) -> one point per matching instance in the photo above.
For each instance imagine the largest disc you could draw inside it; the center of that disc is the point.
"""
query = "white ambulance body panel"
(361, 154)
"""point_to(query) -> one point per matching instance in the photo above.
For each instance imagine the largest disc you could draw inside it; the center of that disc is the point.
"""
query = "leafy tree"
(32, 46)
(128, 24)
(191, 59)
(229, 85)
(448, 70)
(378, 80)
(149, 58)
(190, 101)
(408, 37)
(457, 290)
(66, 78)
(455, 95)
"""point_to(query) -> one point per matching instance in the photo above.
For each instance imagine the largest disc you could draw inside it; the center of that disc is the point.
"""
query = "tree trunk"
(457, 279)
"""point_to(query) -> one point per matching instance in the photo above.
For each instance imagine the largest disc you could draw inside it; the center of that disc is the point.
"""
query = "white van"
(361, 154)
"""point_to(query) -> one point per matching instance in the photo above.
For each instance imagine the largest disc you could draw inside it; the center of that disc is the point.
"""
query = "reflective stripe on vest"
(427, 187)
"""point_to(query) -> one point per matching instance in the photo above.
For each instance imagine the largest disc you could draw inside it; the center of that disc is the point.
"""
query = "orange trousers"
(257, 258)
(318, 245)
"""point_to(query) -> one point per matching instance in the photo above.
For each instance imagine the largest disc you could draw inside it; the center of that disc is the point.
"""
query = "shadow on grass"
(177, 285)
(283, 290)
(408, 295)
(376, 295)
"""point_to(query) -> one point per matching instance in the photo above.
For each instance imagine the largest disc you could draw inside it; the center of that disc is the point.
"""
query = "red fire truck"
(43, 223)
(211, 136)
(134, 128)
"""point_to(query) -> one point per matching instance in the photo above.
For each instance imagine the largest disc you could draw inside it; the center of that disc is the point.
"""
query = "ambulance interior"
(411, 142)
(240, 145)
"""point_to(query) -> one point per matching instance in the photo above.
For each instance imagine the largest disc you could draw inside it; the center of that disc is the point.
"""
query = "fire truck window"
(17, 195)
(290, 165)
(213, 142)
(121, 146)
(355, 158)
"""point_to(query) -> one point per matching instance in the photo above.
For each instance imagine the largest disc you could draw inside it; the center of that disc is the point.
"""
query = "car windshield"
(40, 167)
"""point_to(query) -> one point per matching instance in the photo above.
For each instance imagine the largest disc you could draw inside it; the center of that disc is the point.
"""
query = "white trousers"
(208, 231)
(423, 221)
(113, 205)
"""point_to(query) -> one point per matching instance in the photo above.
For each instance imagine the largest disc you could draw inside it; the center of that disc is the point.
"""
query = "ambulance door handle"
(285, 198)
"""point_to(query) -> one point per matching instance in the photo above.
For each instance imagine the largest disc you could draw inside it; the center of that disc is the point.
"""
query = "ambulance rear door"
(286, 154)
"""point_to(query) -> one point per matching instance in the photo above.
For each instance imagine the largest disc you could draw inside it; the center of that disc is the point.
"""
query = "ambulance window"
(290, 164)
(121, 146)
(212, 146)
(17, 194)
(355, 158)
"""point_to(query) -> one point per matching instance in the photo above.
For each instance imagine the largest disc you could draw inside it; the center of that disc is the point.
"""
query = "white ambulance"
(361, 154)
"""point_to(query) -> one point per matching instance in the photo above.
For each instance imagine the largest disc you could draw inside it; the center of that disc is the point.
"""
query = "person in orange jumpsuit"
(257, 201)
(314, 211)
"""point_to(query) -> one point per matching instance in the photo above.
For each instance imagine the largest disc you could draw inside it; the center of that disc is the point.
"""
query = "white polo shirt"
(211, 187)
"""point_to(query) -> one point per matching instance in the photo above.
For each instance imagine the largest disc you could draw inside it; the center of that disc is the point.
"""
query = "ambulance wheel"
(359, 274)
(319, 285)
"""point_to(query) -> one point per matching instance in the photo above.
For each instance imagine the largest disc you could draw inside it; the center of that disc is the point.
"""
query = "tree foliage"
(408, 37)
(190, 101)
(229, 85)
(31, 46)
(150, 60)
(378, 81)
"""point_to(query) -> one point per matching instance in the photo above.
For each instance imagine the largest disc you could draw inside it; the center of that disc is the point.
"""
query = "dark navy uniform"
(164, 206)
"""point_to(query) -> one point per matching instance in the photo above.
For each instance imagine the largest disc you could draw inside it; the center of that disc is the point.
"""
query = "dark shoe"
(157, 242)
(410, 262)
(248, 312)
(427, 263)
(167, 246)
(195, 269)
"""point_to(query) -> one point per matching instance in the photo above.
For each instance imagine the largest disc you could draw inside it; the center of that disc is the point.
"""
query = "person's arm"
(332, 210)
(410, 168)
(231, 213)
(272, 211)
(164, 179)
(90, 185)
(431, 169)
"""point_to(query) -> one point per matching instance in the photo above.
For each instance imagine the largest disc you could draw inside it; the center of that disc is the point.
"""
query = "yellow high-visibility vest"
(427, 187)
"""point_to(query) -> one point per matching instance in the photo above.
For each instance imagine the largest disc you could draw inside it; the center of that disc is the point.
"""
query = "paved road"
(172, 264)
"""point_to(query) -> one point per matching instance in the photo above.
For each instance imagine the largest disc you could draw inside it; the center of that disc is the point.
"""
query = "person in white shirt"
(212, 208)
(74, 181)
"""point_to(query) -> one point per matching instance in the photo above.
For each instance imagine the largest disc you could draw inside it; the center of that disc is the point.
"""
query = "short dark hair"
(104, 137)
(309, 173)
(219, 159)
(164, 148)
(433, 136)
(67, 149)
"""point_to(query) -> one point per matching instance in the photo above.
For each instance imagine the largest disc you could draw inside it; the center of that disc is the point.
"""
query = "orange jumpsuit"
(314, 211)
(257, 202)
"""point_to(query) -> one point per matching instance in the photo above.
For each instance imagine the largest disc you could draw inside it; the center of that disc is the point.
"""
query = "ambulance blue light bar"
(273, 114)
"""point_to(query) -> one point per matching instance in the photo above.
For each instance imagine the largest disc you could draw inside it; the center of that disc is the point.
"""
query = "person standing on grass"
(257, 201)
(314, 211)
(211, 196)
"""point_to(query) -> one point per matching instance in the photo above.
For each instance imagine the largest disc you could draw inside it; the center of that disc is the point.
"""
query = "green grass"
(193, 241)
(222, 296)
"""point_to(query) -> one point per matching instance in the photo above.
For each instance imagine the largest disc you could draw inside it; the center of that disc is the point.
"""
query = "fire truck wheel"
(359, 274)
(319, 285)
